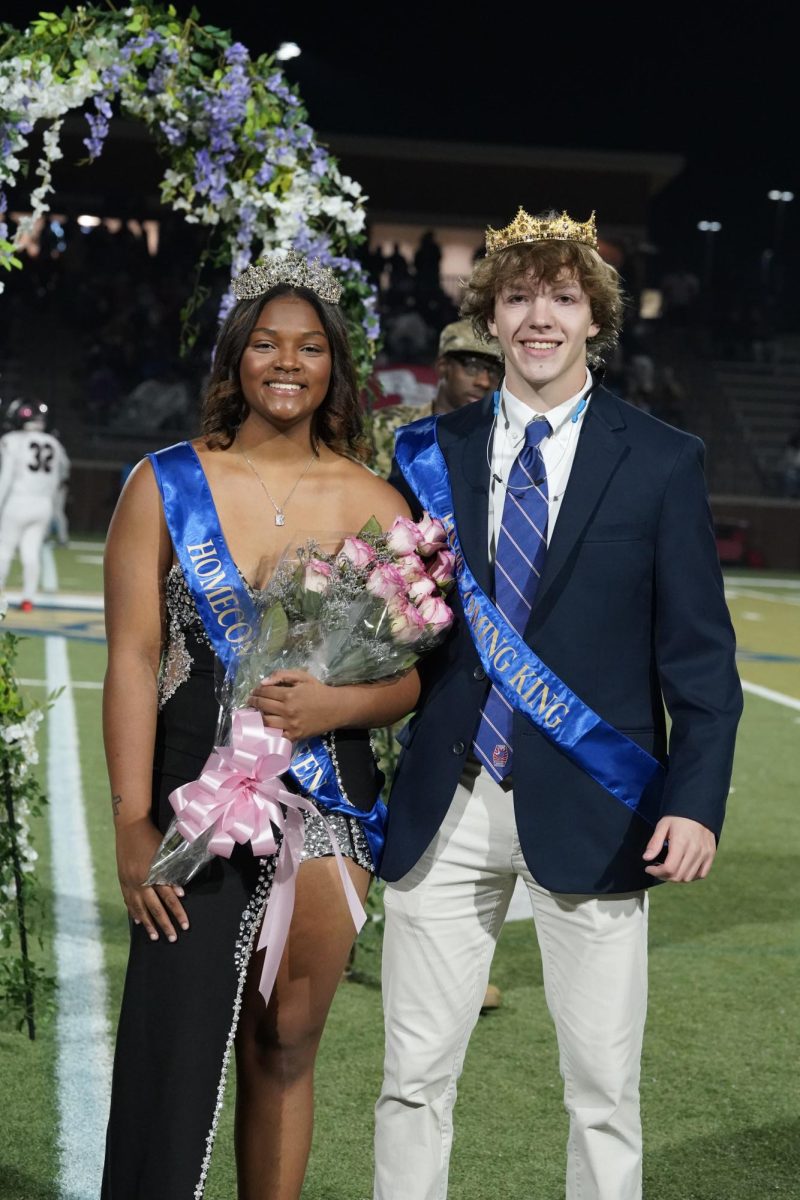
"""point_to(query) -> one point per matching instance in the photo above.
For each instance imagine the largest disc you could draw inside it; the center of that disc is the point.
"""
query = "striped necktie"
(521, 549)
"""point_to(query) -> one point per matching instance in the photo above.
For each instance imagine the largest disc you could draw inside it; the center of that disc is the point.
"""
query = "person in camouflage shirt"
(468, 367)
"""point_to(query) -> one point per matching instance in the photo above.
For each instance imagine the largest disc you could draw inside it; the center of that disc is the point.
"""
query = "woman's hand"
(149, 906)
(299, 704)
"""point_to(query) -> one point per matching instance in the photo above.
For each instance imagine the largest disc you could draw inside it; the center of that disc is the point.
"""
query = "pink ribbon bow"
(239, 791)
(240, 796)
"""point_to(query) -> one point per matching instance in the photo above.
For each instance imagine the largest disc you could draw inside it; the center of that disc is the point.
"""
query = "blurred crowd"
(95, 321)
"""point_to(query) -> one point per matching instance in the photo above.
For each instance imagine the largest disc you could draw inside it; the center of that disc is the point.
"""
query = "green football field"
(719, 1084)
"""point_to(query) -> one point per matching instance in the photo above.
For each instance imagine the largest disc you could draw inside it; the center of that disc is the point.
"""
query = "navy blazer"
(630, 613)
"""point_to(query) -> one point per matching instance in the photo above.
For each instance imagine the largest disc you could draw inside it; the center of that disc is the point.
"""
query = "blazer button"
(458, 747)
(479, 673)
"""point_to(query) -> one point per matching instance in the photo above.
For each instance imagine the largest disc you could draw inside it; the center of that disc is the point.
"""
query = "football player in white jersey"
(33, 468)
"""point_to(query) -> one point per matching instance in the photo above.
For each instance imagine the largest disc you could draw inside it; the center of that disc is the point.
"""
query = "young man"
(589, 597)
(468, 367)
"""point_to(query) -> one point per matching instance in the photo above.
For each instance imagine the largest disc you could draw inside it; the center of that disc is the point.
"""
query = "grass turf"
(719, 1085)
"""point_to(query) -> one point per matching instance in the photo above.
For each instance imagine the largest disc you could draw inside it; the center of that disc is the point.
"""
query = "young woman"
(279, 453)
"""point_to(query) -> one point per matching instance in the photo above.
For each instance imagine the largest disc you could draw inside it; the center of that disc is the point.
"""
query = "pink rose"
(421, 588)
(432, 536)
(405, 621)
(358, 552)
(435, 613)
(442, 569)
(317, 575)
(385, 581)
(411, 567)
(403, 537)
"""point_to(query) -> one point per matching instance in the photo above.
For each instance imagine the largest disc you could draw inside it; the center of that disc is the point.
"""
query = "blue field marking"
(79, 633)
(756, 656)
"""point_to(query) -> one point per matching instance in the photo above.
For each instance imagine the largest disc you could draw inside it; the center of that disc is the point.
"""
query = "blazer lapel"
(599, 451)
(463, 441)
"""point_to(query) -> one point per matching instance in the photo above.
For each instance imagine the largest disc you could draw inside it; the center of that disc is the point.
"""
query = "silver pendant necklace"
(280, 513)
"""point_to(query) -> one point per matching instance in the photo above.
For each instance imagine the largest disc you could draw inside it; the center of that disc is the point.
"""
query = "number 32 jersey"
(32, 464)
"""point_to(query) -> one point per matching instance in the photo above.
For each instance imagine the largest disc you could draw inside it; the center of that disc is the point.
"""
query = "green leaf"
(274, 630)
(49, 16)
(312, 604)
(370, 526)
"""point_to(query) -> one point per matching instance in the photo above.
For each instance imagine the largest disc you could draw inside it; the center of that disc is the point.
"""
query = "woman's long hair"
(337, 422)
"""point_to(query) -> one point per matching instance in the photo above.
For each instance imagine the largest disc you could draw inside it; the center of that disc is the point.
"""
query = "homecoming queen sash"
(531, 688)
(230, 616)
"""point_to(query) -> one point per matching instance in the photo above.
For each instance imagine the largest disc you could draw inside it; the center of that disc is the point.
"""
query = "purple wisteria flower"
(237, 53)
(319, 161)
(98, 126)
(277, 85)
(175, 134)
(210, 178)
(226, 304)
(227, 108)
(138, 45)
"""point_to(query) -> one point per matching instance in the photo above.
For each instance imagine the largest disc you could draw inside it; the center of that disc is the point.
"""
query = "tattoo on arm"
(115, 803)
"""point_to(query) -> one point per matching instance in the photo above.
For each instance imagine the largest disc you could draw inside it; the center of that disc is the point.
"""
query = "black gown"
(181, 1000)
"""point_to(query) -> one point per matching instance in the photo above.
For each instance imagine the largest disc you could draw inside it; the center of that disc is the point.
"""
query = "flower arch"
(240, 156)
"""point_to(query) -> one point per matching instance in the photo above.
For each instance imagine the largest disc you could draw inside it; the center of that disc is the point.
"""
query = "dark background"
(714, 84)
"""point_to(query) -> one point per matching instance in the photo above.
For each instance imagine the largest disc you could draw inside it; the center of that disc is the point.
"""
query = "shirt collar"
(519, 414)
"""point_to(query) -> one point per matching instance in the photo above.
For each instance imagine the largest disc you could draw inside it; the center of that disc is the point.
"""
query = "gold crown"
(292, 268)
(525, 228)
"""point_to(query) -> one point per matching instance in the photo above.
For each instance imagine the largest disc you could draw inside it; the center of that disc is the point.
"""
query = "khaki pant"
(442, 923)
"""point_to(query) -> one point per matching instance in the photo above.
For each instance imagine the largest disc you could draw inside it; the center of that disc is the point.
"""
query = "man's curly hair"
(550, 262)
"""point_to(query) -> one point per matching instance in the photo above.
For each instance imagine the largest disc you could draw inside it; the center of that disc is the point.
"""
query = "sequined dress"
(181, 1001)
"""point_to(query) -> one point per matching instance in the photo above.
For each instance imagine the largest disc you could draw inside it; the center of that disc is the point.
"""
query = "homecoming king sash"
(531, 688)
(230, 616)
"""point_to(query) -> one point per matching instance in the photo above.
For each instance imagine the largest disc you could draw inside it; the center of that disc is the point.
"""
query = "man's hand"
(690, 852)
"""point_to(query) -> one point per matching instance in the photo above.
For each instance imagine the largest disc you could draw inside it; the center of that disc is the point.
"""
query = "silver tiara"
(292, 268)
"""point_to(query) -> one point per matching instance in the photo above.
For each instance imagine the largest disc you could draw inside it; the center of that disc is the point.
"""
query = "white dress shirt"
(557, 450)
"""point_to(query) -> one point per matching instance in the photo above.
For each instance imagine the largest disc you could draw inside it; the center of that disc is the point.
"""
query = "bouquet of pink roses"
(363, 613)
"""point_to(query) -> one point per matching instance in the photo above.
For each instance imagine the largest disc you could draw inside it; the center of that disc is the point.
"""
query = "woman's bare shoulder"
(374, 494)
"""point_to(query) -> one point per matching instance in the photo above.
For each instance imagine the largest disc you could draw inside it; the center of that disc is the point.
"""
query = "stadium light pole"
(710, 229)
(780, 199)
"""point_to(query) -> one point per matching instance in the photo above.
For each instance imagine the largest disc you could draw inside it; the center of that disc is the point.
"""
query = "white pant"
(442, 923)
(23, 525)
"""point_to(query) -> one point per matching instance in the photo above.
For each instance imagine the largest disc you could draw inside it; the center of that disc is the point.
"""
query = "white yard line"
(83, 1067)
(754, 581)
(91, 684)
(750, 594)
(49, 576)
(768, 694)
(98, 547)
(84, 601)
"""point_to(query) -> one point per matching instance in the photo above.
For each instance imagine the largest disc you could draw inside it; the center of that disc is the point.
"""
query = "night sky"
(716, 85)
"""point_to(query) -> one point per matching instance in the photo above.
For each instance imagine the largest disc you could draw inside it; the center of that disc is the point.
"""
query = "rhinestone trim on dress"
(248, 928)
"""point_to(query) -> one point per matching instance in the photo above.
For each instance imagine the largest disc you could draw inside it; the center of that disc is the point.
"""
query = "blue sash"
(606, 755)
(231, 619)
